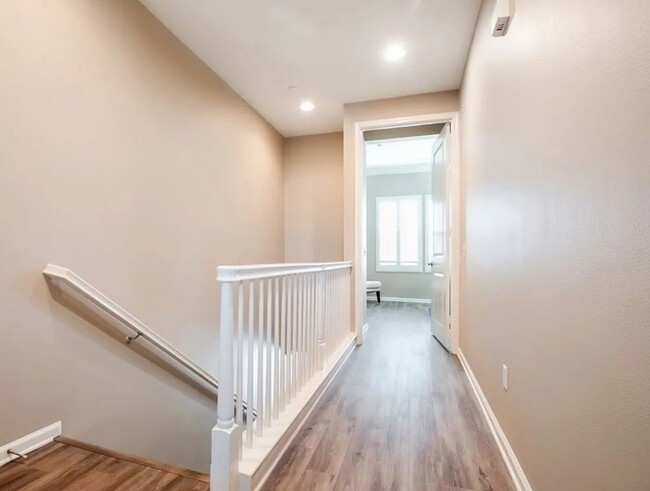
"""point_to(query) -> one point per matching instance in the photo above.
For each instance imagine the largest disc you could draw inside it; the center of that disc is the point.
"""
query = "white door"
(440, 228)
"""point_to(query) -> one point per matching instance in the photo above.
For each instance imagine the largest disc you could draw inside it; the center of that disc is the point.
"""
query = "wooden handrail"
(64, 277)
(230, 274)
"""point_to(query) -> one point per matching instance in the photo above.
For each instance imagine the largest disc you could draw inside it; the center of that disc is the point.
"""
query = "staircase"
(285, 331)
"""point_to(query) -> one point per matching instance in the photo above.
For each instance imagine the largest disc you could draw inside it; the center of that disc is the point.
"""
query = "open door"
(440, 228)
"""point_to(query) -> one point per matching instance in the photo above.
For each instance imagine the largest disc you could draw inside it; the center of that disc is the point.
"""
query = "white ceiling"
(402, 151)
(330, 49)
(399, 155)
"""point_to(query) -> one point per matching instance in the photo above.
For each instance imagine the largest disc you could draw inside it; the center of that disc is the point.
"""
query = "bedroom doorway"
(408, 205)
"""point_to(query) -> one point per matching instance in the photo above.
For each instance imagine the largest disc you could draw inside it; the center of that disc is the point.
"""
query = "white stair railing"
(282, 329)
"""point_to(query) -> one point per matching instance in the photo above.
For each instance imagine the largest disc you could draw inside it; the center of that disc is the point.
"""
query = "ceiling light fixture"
(394, 52)
(306, 106)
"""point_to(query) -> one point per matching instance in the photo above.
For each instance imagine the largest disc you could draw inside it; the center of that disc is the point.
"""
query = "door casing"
(359, 295)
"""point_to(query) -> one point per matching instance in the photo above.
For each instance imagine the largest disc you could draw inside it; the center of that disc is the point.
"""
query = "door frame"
(359, 298)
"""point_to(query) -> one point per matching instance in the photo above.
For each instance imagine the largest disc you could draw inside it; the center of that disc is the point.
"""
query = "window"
(399, 233)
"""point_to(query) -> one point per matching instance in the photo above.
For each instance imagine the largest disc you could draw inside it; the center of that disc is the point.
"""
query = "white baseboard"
(514, 468)
(31, 442)
(399, 299)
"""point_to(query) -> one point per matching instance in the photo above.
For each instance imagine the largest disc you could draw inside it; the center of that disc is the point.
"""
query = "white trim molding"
(353, 233)
(508, 454)
(29, 443)
(400, 299)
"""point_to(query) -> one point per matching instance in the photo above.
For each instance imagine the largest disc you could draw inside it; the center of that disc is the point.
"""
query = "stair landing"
(68, 465)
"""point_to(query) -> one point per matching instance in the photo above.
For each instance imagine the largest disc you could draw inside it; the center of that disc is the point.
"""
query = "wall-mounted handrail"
(64, 277)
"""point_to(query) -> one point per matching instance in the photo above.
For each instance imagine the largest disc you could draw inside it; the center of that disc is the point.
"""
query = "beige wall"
(125, 159)
(556, 284)
(313, 183)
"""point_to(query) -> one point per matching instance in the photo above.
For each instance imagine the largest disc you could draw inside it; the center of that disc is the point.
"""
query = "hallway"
(399, 415)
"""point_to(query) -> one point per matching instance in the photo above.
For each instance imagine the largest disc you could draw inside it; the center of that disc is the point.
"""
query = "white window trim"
(398, 268)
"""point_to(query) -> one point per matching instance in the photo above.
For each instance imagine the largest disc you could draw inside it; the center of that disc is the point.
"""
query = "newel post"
(226, 435)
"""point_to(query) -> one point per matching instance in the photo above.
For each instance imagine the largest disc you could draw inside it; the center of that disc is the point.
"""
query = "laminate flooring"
(61, 466)
(400, 415)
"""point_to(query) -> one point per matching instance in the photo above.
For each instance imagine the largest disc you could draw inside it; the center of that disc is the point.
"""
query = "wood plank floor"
(61, 466)
(400, 415)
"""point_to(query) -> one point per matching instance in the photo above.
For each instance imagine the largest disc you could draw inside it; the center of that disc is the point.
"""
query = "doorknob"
(432, 264)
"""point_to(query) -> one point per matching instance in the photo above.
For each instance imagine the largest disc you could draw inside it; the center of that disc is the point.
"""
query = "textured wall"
(125, 159)
(556, 169)
(313, 198)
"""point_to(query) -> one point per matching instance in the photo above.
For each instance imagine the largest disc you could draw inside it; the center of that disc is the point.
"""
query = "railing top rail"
(230, 274)
(97, 298)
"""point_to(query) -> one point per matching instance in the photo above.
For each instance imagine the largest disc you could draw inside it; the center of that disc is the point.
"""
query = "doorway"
(407, 237)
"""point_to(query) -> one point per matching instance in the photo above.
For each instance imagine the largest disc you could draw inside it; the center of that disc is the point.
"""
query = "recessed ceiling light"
(306, 106)
(394, 52)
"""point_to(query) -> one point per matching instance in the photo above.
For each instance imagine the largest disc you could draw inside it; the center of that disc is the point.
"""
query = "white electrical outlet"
(504, 377)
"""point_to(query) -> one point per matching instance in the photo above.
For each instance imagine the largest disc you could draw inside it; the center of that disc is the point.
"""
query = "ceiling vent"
(503, 12)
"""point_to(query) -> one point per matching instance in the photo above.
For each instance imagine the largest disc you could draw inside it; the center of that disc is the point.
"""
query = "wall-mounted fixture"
(502, 17)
